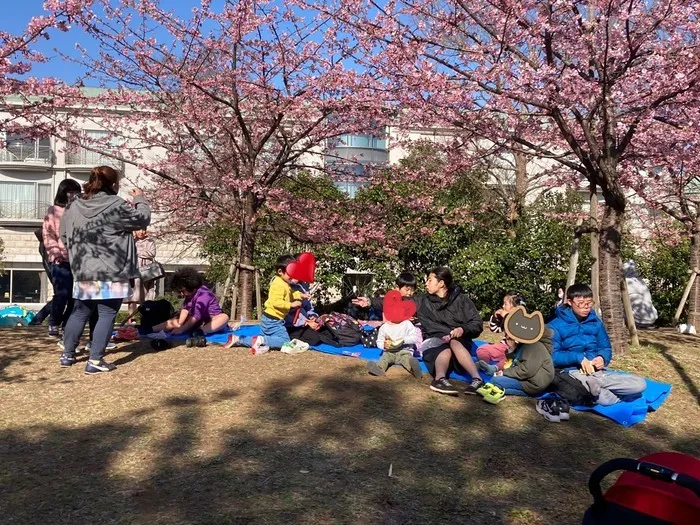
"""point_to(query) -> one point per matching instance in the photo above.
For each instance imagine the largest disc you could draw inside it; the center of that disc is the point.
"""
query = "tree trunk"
(246, 276)
(517, 202)
(610, 275)
(595, 248)
(694, 299)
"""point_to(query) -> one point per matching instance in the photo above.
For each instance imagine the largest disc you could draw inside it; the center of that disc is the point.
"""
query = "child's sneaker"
(491, 393)
(233, 340)
(259, 349)
(475, 384)
(66, 360)
(415, 368)
(443, 386)
(99, 367)
(564, 409)
(54, 331)
(374, 369)
(192, 342)
(294, 347)
(258, 341)
(549, 409)
(486, 368)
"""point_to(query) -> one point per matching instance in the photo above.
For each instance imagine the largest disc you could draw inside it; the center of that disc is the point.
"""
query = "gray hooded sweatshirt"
(99, 238)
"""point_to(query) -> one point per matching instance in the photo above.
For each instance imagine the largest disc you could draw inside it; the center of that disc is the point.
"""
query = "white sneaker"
(294, 347)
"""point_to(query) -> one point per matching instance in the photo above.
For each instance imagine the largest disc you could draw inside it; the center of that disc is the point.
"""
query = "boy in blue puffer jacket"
(580, 339)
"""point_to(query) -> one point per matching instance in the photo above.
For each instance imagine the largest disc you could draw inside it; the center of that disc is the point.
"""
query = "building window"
(24, 200)
(5, 287)
(21, 148)
(96, 139)
(362, 141)
(351, 157)
(20, 286)
(26, 286)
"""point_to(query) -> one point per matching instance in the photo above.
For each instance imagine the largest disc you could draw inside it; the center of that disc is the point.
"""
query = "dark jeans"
(82, 311)
(62, 302)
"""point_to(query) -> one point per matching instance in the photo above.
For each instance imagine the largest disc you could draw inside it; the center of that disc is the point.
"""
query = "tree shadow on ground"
(665, 352)
(24, 354)
(316, 450)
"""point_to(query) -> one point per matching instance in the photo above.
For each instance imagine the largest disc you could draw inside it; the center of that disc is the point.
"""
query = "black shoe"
(66, 360)
(374, 369)
(475, 385)
(98, 368)
(415, 368)
(549, 409)
(196, 341)
(443, 386)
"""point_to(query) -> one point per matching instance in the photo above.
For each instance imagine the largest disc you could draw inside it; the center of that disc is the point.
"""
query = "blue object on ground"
(627, 413)
(14, 315)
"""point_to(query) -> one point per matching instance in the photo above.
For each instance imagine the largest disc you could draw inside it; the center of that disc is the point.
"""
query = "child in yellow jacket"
(280, 300)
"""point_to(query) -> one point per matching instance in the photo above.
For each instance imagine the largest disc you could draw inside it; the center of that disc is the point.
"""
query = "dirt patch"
(210, 435)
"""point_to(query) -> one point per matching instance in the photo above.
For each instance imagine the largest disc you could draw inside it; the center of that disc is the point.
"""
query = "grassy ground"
(218, 436)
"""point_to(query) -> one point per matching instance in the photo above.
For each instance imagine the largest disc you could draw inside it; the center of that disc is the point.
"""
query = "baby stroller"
(661, 488)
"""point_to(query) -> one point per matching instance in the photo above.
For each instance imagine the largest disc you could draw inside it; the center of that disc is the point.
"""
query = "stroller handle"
(650, 470)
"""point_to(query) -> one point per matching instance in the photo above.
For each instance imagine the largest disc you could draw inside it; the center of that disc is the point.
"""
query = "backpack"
(369, 338)
(571, 389)
(155, 312)
(342, 328)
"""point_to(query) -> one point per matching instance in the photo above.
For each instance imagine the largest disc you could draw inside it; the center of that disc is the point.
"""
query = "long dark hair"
(444, 274)
(102, 178)
(65, 192)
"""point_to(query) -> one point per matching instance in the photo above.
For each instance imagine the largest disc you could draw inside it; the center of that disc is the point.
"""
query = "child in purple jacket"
(201, 309)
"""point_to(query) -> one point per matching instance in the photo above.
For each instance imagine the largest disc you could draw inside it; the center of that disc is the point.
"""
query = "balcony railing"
(27, 153)
(83, 157)
(23, 209)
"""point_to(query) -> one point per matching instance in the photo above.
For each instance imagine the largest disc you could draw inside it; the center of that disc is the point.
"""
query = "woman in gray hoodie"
(98, 231)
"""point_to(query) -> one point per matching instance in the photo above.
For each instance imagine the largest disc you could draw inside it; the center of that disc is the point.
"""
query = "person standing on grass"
(146, 253)
(57, 256)
(449, 321)
(98, 231)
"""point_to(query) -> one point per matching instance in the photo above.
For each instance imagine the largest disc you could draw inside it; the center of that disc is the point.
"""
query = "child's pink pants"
(494, 352)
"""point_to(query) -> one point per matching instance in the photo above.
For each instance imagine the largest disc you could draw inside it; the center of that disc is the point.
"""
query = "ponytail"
(101, 178)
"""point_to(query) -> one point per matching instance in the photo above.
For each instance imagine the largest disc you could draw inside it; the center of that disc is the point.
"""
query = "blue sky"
(15, 17)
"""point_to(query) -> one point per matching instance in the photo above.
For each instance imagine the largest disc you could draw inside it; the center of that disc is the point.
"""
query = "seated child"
(280, 300)
(579, 339)
(397, 337)
(496, 352)
(406, 285)
(200, 310)
(532, 370)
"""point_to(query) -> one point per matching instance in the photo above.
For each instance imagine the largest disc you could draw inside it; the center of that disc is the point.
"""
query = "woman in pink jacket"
(57, 256)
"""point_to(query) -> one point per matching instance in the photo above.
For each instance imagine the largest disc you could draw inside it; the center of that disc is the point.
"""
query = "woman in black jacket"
(449, 321)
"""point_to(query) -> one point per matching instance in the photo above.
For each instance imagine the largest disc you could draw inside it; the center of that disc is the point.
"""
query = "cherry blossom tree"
(241, 102)
(586, 84)
(671, 190)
